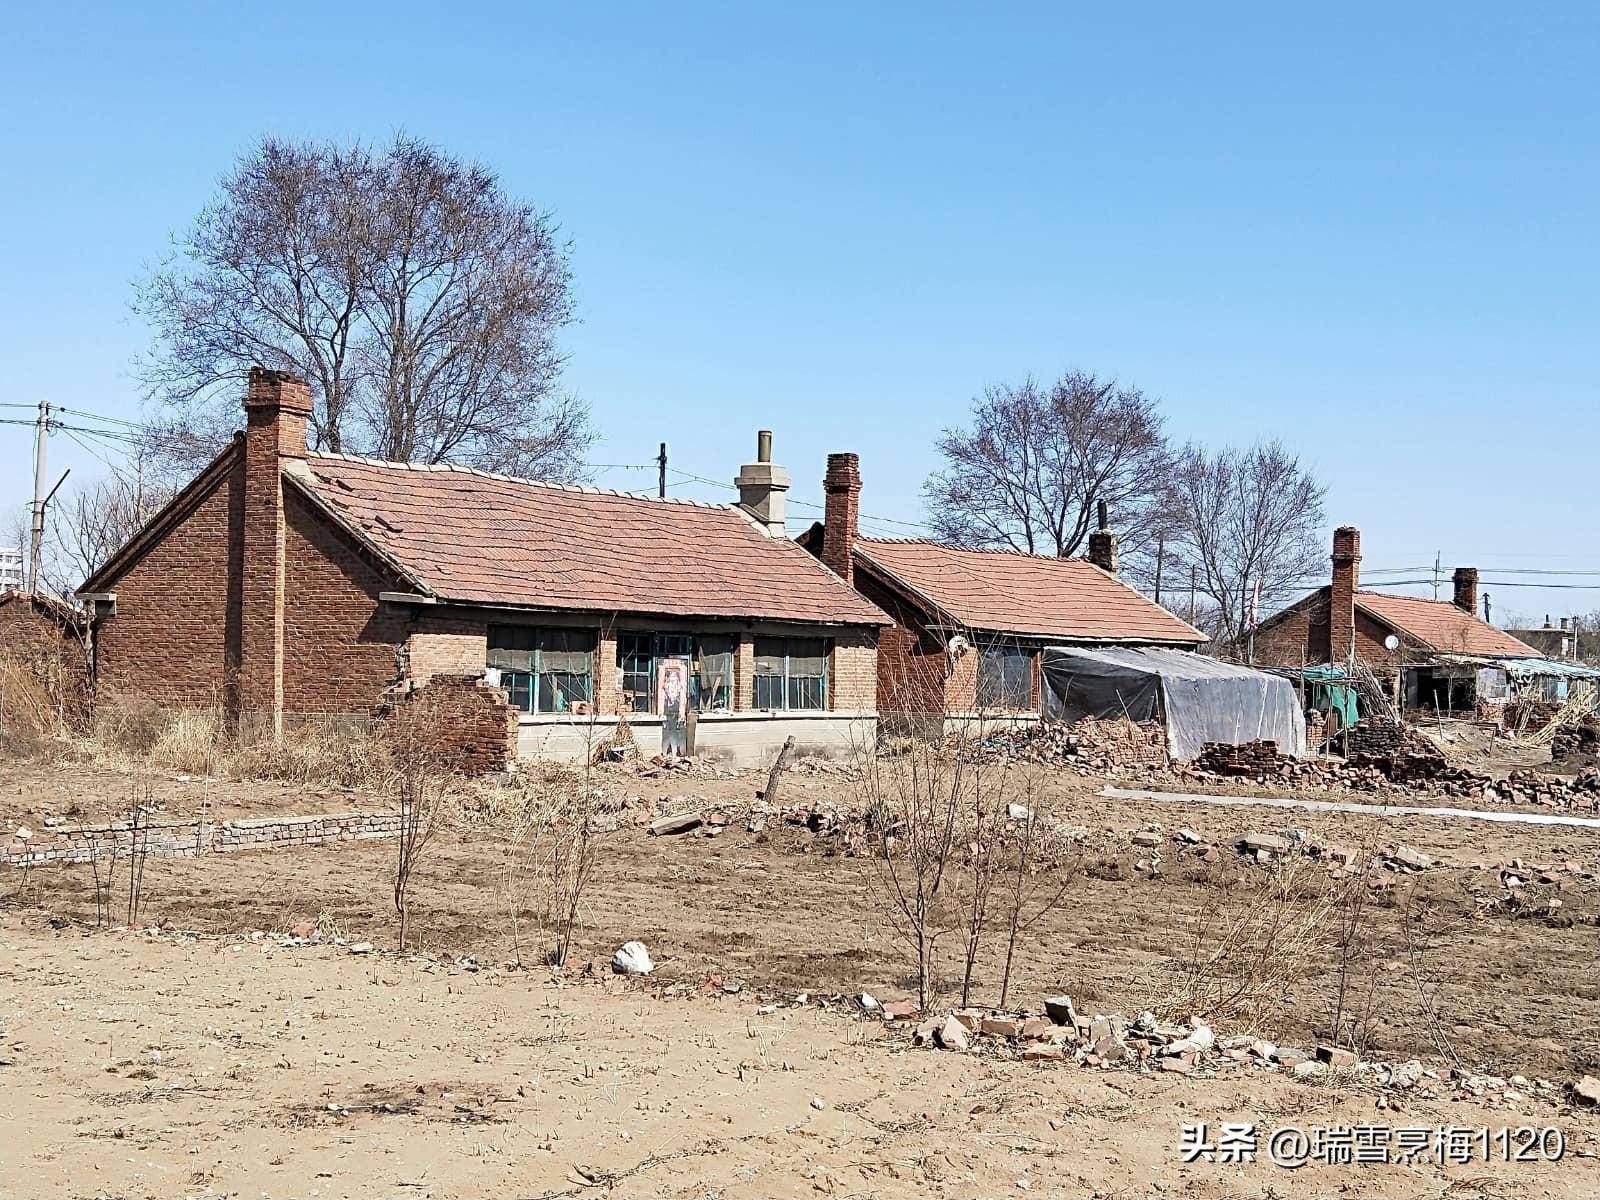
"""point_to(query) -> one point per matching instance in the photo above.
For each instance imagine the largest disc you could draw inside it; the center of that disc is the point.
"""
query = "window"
(1005, 677)
(710, 658)
(636, 664)
(543, 670)
(791, 673)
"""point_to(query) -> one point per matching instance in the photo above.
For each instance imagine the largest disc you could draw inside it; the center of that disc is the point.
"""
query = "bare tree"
(89, 525)
(1245, 519)
(416, 297)
(1034, 463)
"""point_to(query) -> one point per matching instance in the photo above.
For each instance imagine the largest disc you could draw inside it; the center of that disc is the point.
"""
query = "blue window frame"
(543, 670)
(791, 673)
(710, 659)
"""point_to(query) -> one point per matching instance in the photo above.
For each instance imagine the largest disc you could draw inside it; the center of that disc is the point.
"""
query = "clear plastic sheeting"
(1197, 699)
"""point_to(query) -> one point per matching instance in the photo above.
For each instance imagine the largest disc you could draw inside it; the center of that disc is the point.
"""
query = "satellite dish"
(1391, 642)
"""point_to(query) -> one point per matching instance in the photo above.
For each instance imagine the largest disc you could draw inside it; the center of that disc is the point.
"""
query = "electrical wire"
(78, 412)
(96, 453)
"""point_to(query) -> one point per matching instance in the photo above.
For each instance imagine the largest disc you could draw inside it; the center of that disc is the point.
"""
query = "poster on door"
(672, 702)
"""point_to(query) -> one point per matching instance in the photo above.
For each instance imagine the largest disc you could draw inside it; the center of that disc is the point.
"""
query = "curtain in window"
(713, 673)
(1005, 677)
(791, 673)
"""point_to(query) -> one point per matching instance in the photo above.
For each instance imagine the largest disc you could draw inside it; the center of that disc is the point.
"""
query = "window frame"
(660, 645)
(525, 686)
(993, 692)
(786, 691)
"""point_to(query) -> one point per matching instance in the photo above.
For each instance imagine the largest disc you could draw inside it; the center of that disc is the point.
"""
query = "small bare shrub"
(914, 805)
(1028, 891)
(421, 797)
(1255, 934)
(1356, 1012)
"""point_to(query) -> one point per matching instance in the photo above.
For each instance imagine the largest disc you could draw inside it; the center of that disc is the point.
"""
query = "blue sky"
(1369, 230)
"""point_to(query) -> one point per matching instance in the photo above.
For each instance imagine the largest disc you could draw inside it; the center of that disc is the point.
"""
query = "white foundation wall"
(739, 739)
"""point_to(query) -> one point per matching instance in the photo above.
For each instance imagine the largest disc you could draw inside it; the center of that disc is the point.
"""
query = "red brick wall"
(1299, 636)
(961, 688)
(911, 662)
(454, 722)
(853, 672)
(174, 638)
(1305, 630)
(339, 644)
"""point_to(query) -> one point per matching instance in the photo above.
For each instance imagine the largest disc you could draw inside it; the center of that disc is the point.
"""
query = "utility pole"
(661, 462)
(1486, 619)
(36, 542)
(1437, 555)
(1193, 592)
(1161, 547)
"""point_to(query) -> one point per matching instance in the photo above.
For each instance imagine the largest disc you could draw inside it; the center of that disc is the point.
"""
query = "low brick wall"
(179, 839)
(455, 723)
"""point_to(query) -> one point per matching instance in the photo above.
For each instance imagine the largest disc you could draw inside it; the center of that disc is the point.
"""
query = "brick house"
(284, 585)
(970, 625)
(1441, 654)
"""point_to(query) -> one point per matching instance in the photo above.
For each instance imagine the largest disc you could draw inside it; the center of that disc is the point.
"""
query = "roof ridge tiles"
(451, 468)
(1011, 550)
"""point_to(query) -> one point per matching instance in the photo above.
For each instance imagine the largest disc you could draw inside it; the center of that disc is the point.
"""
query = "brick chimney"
(762, 485)
(841, 514)
(1466, 581)
(277, 408)
(1342, 595)
(1103, 544)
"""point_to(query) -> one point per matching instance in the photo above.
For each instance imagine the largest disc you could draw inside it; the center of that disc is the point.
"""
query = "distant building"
(1447, 658)
(10, 568)
(1564, 642)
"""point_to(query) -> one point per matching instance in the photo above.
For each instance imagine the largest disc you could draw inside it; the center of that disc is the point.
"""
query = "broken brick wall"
(52, 652)
(455, 723)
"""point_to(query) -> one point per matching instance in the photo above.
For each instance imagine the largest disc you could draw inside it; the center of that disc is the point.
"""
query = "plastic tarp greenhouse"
(1197, 699)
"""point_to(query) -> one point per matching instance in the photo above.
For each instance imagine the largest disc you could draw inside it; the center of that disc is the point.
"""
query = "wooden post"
(777, 771)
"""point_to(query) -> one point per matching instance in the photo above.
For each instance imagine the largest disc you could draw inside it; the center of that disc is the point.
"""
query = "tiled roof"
(1026, 594)
(1440, 625)
(473, 537)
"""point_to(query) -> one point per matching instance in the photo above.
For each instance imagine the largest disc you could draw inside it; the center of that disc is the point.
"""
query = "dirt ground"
(1454, 969)
(141, 1066)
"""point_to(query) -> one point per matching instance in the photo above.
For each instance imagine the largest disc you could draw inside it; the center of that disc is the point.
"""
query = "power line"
(684, 475)
(78, 412)
(74, 437)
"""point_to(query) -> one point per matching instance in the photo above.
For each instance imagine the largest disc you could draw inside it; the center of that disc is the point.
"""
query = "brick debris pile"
(1090, 744)
(1529, 715)
(1060, 1033)
(1576, 741)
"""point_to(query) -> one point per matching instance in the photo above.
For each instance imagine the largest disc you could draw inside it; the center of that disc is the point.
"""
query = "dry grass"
(139, 734)
(27, 711)
(1254, 936)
